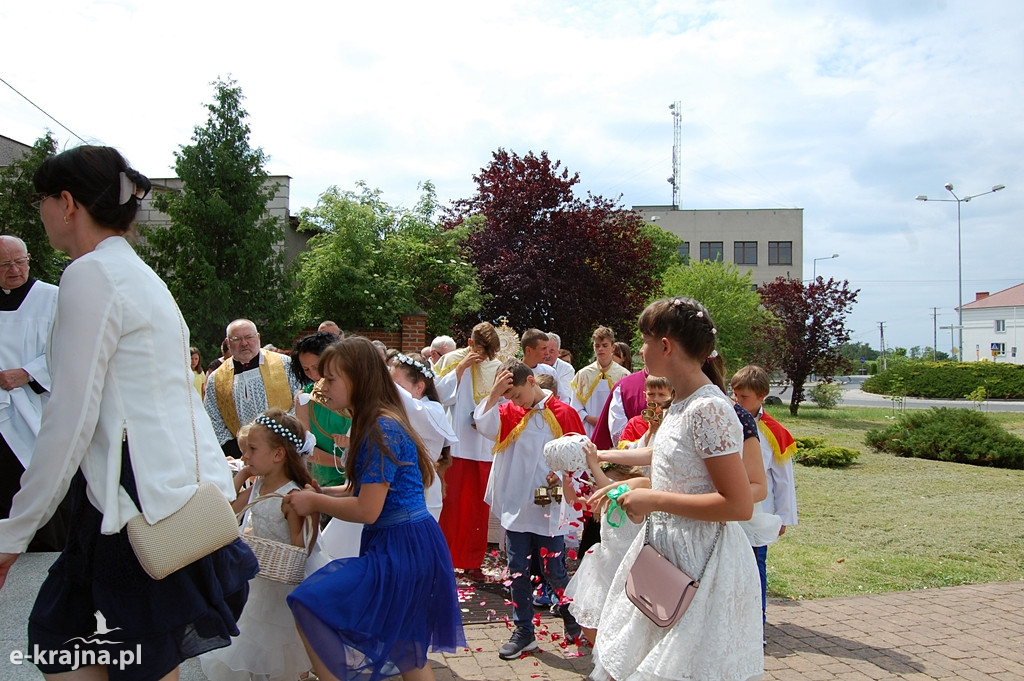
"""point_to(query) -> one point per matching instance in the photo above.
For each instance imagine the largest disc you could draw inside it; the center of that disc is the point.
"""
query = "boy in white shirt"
(594, 382)
(521, 418)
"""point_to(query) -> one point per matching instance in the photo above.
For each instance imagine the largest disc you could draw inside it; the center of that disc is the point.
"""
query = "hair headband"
(423, 369)
(267, 422)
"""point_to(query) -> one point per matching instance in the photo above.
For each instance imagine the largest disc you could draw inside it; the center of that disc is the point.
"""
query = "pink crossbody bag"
(659, 589)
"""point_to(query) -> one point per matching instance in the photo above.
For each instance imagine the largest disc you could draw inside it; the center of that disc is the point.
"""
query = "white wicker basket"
(278, 561)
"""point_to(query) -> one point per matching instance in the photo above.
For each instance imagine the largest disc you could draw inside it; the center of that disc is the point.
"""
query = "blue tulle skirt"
(377, 615)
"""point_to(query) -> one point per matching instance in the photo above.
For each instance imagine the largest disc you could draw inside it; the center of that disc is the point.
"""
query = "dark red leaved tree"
(549, 259)
(809, 328)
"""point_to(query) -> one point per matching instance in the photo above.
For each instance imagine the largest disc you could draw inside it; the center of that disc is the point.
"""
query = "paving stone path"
(973, 632)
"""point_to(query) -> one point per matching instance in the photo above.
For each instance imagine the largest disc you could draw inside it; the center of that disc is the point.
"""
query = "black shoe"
(522, 641)
(573, 631)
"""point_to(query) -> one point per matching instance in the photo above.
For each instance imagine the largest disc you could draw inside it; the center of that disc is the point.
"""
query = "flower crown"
(281, 430)
(420, 366)
(677, 304)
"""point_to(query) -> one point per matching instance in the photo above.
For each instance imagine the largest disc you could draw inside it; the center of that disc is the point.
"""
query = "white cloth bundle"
(567, 453)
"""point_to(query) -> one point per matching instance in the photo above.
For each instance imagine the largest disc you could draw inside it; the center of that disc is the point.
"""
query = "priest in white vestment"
(27, 309)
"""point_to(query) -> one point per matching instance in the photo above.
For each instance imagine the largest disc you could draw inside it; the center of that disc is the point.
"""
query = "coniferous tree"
(219, 256)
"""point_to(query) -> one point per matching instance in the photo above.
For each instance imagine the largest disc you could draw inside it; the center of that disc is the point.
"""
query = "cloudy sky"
(847, 110)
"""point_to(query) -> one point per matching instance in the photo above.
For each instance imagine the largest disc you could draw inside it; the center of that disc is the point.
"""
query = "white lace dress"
(719, 637)
(588, 588)
(268, 647)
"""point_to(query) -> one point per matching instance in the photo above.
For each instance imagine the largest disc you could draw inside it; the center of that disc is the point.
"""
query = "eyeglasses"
(19, 263)
(242, 339)
(36, 200)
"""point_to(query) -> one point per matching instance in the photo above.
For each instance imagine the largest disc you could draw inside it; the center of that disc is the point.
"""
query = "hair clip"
(128, 189)
(714, 331)
(677, 302)
(281, 430)
(711, 357)
(700, 314)
(425, 370)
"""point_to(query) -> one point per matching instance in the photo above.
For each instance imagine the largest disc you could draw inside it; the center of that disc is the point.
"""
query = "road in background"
(853, 396)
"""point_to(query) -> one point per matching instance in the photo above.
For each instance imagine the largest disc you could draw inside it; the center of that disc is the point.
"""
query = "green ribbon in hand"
(616, 516)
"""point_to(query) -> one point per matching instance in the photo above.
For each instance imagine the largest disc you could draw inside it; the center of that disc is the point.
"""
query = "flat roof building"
(769, 242)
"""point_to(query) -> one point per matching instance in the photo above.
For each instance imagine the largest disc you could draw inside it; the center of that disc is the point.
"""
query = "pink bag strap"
(718, 534)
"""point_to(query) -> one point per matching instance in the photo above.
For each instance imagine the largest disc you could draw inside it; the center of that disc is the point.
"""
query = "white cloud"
(847, 110)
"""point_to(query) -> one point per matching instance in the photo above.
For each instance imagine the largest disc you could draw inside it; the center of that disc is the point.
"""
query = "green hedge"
(814, 451)
(945, 434)
(951, 380)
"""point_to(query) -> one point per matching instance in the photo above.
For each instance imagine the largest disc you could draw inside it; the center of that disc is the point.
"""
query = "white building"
(769, 242)
(991, 326)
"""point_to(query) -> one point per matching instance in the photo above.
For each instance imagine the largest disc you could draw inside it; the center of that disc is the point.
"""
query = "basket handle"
(308, 531)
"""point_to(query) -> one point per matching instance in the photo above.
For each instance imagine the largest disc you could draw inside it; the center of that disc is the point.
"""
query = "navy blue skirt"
(97, 599)
(377, 615)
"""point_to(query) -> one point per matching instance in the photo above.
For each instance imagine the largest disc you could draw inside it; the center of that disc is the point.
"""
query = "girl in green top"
(327, 463)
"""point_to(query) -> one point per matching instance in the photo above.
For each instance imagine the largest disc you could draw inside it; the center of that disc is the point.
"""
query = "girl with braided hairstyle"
(697, 489)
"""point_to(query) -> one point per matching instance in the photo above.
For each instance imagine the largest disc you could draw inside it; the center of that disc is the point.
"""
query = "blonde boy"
(641, 428)
(750, 385)
(594, 382)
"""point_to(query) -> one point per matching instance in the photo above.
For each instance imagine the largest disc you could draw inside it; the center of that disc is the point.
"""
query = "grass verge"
(890, 524)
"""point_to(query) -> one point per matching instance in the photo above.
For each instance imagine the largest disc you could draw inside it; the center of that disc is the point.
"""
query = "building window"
(1000, 326)
(683, 250)
(744, 252)
(711, 250)
(780, 252)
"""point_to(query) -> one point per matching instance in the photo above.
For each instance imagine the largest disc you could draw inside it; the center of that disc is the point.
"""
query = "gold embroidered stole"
(275, 384)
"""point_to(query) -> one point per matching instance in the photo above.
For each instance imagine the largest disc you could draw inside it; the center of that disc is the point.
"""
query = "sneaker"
(573, 631)
(522, 641)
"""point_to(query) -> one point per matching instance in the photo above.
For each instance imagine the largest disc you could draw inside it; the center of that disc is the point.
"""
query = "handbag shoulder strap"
(718, 534)
(191, 406)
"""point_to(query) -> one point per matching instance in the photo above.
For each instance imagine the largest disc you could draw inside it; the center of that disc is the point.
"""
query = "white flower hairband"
(281, 430)
(423, 369)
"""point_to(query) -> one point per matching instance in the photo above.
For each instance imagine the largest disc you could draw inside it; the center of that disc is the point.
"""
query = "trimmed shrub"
(951, 380)
(813, 451)
(945, 434)
(827, 457)
(826, 395)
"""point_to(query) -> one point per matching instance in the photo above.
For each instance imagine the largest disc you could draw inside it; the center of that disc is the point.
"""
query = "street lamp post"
(815, 265)
(959, 257)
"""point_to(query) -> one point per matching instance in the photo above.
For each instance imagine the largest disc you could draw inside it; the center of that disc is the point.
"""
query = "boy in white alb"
(594, 382)
(521, 418)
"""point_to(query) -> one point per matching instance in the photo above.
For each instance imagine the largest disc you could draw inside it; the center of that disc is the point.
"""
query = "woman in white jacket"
(118, 356)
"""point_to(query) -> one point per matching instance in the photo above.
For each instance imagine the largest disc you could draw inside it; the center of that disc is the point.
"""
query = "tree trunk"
(797, 396)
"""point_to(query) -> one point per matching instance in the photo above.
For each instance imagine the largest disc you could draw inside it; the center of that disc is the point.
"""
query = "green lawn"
(889, 523)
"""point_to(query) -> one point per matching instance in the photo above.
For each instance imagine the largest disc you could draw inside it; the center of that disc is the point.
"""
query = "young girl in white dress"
(588, 589)
(415, 379)
(698, 485)
(268, 647)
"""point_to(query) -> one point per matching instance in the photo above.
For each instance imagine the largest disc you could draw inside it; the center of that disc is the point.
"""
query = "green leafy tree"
(219, 256)
(855, 352)
(665, 251)
(729, 296)
(20, 219)
(368, 263)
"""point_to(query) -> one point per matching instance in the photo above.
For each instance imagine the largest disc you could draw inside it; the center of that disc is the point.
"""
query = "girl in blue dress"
(377, 615)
